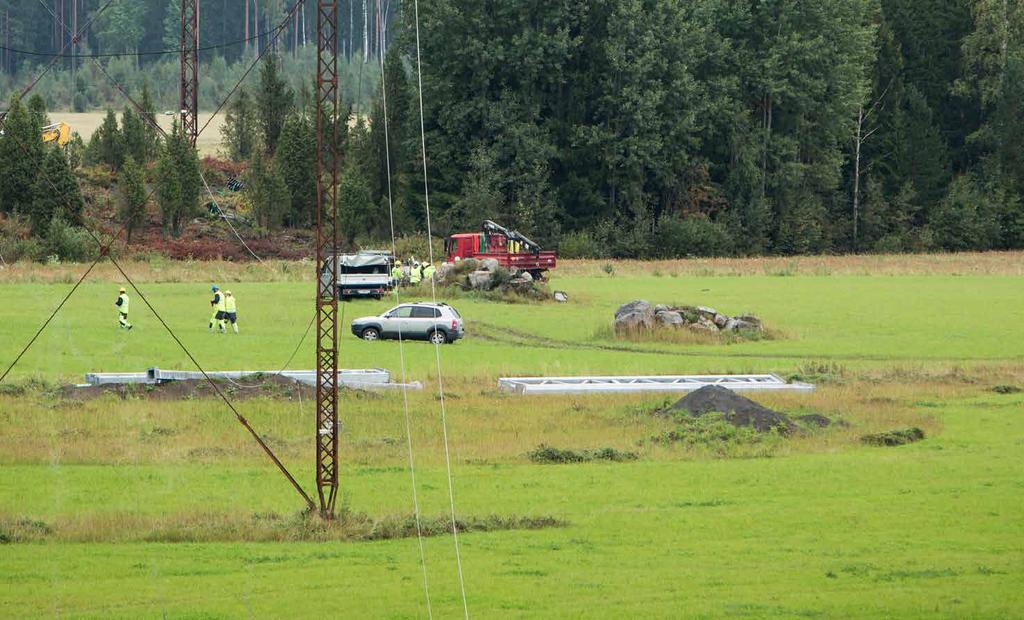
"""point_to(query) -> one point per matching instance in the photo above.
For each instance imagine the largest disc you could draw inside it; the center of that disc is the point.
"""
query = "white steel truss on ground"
(655, 383)
(354, 378)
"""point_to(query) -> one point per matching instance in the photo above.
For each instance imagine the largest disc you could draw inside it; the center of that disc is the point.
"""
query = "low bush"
(713, 433)
(896, 437)
(548, 454)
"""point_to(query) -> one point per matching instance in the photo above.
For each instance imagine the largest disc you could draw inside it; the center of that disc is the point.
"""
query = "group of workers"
(412, 272)
(225, 310)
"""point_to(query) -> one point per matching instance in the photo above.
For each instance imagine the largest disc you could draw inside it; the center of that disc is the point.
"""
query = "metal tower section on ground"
(189, 100)
(327, 423)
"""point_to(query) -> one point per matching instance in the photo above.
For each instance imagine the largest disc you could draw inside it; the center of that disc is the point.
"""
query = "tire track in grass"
(506, 335)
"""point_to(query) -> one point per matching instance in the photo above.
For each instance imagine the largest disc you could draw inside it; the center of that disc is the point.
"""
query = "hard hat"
(121, 290)
(227, 292)
(214, 288)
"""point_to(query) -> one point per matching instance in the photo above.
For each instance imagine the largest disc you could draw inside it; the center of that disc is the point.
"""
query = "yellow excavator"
(57, 132)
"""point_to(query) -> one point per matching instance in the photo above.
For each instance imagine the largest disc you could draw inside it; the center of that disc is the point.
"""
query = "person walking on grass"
(218, 309)
(231, 310)
(122, 309)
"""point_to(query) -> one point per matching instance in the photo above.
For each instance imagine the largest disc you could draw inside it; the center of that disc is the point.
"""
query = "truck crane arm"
(512, 235)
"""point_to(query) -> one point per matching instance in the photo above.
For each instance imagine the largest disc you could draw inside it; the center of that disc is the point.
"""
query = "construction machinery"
(57, 132)
(513, 250)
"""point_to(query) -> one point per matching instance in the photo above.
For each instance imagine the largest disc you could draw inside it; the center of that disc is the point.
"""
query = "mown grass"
(137, 507)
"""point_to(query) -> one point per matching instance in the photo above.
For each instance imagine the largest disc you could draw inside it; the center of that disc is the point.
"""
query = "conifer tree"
(178, 182)
(133, 196)
(134, 136)
(267, 193)
(21, 158)
(296, 163)
(110, 146)
(239, 129)
(273, 101)
(56, 193)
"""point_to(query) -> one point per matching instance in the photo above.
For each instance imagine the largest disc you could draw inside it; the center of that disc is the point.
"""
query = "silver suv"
(438, 323)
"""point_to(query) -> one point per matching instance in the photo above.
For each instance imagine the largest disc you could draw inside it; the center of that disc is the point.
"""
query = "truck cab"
(366, 273)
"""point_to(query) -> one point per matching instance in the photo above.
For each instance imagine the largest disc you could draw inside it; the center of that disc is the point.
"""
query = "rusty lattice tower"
(327, 424)
(189, 91)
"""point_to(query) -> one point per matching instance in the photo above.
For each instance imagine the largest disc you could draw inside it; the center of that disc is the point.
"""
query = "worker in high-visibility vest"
(231, 310)
(396, 274)
(428, 271)
(122, 309)
(218, 309)
(414, 274)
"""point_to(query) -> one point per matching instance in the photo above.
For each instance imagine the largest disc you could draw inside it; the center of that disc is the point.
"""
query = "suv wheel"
(371, 334)
(438, 337)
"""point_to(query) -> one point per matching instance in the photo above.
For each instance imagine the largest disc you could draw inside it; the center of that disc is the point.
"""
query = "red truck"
(510, 248)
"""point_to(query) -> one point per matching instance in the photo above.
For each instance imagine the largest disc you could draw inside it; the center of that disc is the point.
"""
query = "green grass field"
(117, 508)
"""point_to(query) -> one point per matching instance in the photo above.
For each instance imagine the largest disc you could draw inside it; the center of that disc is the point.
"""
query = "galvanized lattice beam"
(646, 383)
(189, 89)
(327, 422)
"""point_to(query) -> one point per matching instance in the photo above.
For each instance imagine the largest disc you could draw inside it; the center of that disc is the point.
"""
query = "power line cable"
(165, 52)
(270, 44)
(241, 419)
(433, 296)
(401, 341)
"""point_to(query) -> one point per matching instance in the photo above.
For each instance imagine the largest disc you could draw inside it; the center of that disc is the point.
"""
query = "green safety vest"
(429, 272)
(414, 275)
(396, 273)
(123, 308)
(229, 304)
(220, 301)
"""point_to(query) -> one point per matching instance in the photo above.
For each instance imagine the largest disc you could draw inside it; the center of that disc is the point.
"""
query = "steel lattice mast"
(326, 251)
(189, 91)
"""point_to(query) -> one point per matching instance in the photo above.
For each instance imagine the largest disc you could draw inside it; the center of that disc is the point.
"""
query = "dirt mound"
(738, 410)
(270, 386)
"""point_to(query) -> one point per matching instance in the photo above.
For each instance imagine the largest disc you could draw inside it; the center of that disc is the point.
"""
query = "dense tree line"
(236, 31)
(658, 128)
(633, 128)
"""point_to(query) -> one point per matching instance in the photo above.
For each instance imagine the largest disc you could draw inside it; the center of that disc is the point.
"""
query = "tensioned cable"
(270, 45)
(433, 296)
(241, 419)
(42, 327)
(74, 41)
(401, 341)
(165, 52)
(144, 115)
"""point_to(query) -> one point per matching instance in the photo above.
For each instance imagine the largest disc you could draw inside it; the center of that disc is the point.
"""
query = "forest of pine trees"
(610, 128)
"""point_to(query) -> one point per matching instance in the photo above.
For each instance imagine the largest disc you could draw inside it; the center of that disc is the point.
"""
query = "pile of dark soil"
(737, 410)
(269, 386)
(1006, 389)
(897, 437)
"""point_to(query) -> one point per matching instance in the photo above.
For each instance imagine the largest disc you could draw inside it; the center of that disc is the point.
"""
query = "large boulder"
(633, 316)
(669, 318)
(489, 264)
(445, 273)
(481, 280)
(704, 325)
(744, 323)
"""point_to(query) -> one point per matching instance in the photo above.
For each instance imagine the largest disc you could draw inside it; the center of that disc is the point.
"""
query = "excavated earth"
(738, 410)
(270, 386)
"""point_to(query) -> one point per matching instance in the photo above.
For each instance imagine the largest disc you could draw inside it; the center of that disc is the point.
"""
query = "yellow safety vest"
(414, 275)
(396, 273)
(428, 272)
(123, 308)
(220, 301)
(229, 304)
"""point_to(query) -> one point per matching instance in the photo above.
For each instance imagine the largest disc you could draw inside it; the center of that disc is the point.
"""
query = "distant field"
(85, 123)
(148, 508)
